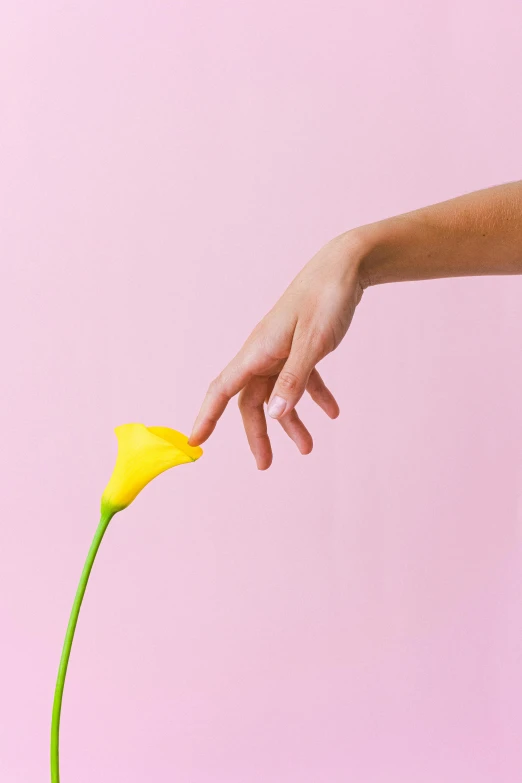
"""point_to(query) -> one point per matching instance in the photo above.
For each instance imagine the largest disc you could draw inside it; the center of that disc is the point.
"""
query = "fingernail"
(277, 407)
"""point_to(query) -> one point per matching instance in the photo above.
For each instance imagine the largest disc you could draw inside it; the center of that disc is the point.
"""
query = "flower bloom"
(143, 453)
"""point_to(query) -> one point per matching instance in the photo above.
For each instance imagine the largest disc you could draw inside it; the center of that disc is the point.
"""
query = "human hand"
(476, 234)
(278, 361)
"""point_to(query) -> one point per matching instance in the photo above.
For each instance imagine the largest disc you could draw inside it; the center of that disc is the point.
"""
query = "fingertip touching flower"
(143, 453)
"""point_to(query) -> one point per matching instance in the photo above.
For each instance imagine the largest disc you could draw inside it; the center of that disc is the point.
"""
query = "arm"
(476, 234)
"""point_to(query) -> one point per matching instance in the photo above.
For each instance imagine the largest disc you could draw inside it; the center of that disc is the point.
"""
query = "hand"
(476, 234)
(278, 361)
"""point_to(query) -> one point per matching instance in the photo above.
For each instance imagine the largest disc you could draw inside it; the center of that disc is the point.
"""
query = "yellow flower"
(143, 453)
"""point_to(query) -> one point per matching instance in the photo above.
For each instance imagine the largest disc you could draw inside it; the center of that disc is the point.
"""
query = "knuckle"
(257, 332)
(288, 381)
(316, 332)
(215, 385)
(318, 340)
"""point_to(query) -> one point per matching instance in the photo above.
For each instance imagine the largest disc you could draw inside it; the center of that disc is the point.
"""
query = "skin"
(476, 234)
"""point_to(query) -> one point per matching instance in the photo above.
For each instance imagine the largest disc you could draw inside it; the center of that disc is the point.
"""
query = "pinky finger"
(322, 395)
(296, 431)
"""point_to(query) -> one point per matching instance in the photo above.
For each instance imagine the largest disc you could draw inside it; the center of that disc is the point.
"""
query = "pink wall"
(354, 615)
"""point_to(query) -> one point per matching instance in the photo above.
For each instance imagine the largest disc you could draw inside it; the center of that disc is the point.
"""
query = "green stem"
(69, 636)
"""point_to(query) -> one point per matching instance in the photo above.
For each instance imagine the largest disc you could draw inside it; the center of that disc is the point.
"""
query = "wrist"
(365, 249)
(385, 251)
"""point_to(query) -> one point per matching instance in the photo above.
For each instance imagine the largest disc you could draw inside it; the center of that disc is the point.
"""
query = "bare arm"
(475, 234)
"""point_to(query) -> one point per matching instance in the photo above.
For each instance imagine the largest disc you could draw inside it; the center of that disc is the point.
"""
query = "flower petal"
(143, 453)
(177, 439)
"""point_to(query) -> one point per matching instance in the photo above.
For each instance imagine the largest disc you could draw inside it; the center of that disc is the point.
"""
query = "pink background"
(355, 615)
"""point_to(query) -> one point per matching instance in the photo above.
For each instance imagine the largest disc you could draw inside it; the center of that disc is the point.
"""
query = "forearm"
(476, 234)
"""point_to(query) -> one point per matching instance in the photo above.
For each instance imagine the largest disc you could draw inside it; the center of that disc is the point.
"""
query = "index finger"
(227, 384)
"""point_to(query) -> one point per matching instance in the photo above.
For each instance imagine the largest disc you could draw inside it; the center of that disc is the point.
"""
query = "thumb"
(291, 382)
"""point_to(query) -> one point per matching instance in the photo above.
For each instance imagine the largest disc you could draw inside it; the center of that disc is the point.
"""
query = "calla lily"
(143, 453)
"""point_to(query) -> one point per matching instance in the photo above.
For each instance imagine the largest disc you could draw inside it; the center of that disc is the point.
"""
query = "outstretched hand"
(277, 363)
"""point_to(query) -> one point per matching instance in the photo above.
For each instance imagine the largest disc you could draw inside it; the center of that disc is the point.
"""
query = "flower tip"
(178, 440)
